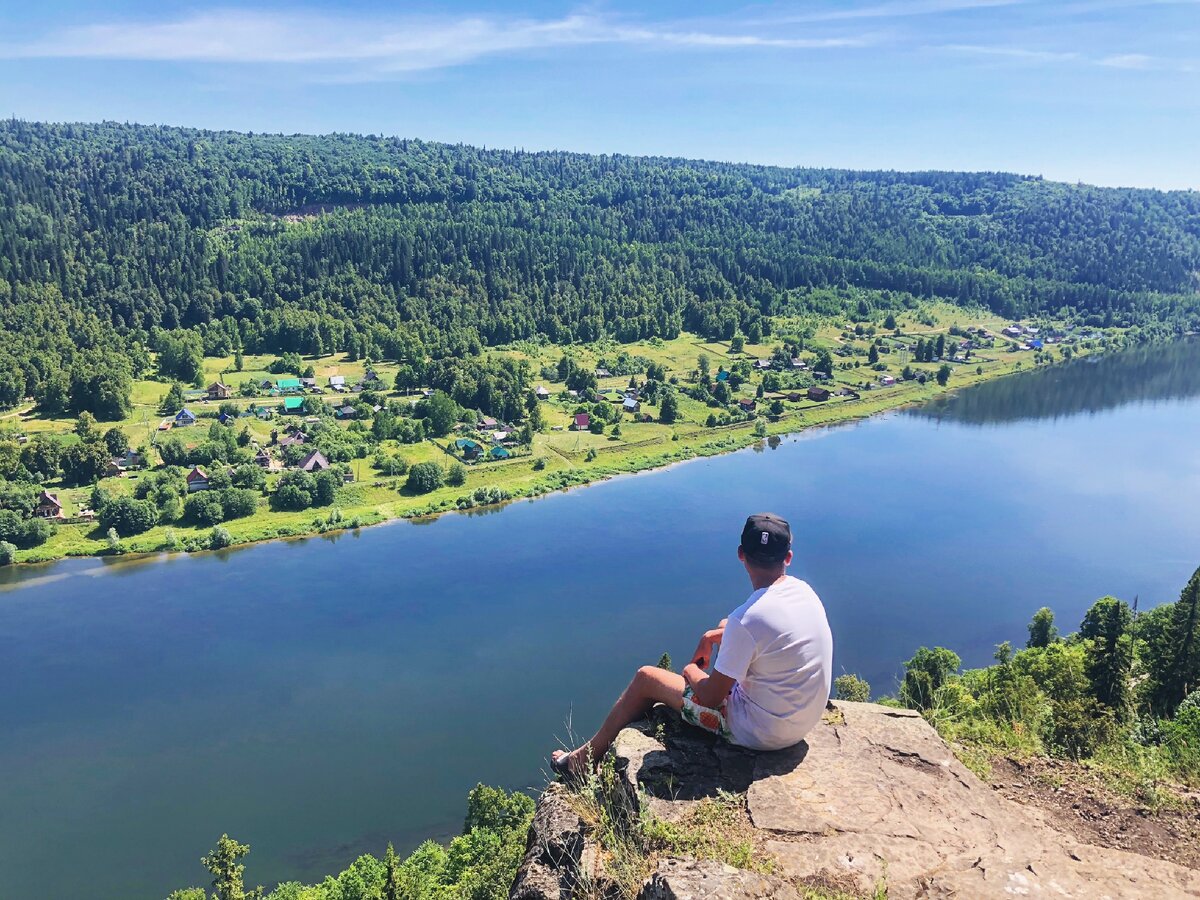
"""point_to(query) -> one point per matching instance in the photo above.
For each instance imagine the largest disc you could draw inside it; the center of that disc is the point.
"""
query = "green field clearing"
(559, 455)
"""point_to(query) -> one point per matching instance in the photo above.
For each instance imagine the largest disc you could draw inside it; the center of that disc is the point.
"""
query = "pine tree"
(1109, 656)
(1184, 675)
(391, 865)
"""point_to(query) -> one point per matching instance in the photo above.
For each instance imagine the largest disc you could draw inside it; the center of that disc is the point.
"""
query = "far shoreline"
(738, 438)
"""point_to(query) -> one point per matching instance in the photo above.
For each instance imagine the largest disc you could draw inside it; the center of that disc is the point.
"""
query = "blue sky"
(1102, 91)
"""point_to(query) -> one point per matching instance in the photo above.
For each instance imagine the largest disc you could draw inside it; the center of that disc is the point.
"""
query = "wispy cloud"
(1132, 61)
(1020, 53)
(901, 9)
(377, 47)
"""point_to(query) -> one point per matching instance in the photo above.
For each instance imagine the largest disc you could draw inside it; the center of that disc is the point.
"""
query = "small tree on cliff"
(1108, 629)
(392, 884)
(224, 862)
(925, 673)
(851, 687)
(1042, 632)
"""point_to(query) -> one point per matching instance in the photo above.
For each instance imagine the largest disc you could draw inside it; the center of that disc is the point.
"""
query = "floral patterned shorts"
(703, 717)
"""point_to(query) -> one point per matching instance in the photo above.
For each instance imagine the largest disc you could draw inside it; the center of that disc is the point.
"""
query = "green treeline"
(1124, 690)
(118, 239)
(479, 864)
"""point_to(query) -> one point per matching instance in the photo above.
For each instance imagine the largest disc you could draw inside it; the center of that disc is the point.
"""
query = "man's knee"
(644, 675)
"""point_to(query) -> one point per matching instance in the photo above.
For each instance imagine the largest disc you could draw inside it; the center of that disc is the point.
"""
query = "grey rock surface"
(873, 795)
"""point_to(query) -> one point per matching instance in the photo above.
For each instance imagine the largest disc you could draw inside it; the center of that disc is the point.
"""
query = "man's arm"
(710, 639)
(708, 690)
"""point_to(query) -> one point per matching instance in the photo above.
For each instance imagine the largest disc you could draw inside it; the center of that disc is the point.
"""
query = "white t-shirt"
(778, 649)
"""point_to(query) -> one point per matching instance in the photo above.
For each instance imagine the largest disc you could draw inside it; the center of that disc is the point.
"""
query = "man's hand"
(707, 690)
(704, 650)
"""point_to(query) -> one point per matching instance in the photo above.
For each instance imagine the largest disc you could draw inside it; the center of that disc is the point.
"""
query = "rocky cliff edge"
(873, 804)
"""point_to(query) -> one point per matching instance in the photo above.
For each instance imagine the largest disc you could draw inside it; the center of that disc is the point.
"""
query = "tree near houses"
(668, 410)
(943, 375)
(424, 477)
(172, 402)
(440, 411)
(128, 516)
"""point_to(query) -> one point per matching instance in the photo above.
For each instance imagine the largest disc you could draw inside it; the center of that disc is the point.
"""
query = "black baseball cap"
(766, 538)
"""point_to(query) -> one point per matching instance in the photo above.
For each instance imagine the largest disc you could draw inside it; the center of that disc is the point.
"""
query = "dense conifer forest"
(118, 239)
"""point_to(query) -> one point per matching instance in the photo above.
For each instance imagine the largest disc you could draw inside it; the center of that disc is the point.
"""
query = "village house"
(308, 383)
(499, 453)
(1012, 331)
(294, 440)
(762, 364)
(48, 506)
(499, 437)
(467, 447)
(288, 385)
(603, 373)
(486, 423)
(542, 393)
(184, 417)
(821, 376)
(887, 380)
(582, 422)
(631, 405)
(197, 480)
(819, 394)
(262, 458)
(293, 406)
(337, 382)
(314, 462)
(747, 404)
(798, 363)
(219, 391)
(371, 375)
(795, 396)
(345, 412)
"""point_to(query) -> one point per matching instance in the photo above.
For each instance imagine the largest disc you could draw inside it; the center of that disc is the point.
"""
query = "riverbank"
(558, 460)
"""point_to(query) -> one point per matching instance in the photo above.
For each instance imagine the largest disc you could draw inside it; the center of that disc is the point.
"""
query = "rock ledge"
(873, 796)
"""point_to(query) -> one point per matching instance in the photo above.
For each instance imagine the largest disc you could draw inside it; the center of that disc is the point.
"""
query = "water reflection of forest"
(1090, 385)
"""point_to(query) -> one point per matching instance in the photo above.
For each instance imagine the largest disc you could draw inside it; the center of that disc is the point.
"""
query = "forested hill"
(367, 244)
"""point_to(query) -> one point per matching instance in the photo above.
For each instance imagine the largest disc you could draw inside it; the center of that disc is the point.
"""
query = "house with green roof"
(499, 453)
(467, 447)
(293, 405)
(285, 385)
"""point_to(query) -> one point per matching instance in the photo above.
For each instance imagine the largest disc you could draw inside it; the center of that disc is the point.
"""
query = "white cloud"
(1131, 61)
(383, 46)
(902, 9)
(1020, 53)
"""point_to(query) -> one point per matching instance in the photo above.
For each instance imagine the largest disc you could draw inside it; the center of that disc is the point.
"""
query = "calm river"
(318, 698)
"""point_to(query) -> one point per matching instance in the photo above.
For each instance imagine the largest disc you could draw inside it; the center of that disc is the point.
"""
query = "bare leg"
(649, 686)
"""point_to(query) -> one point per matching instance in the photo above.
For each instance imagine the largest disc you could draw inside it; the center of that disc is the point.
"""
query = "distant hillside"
(320, 243)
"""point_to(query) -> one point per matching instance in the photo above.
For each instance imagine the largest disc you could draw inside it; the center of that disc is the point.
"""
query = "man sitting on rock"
(770, 682)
